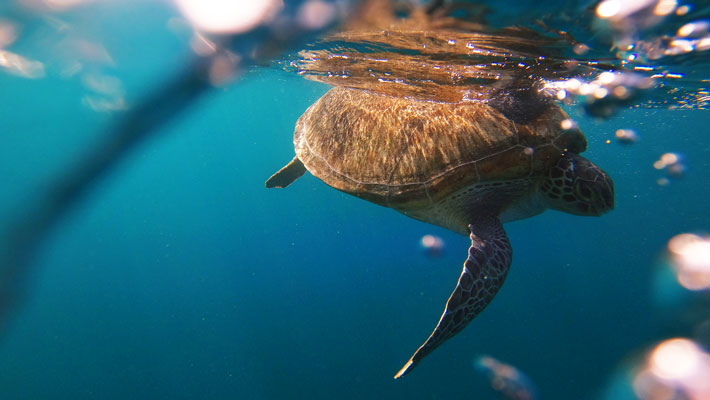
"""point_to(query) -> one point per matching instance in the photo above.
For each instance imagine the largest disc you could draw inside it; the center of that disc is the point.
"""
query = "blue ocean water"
(180, 276)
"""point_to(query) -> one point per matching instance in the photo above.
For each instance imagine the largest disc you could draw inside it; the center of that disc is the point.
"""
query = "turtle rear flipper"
(286, 175)
(484, 271)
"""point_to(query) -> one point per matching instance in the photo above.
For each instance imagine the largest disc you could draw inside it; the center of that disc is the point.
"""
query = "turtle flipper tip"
(286, 175)
(405, 370)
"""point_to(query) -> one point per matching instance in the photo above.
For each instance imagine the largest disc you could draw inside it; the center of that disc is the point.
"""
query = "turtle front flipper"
(483, 274)
(286, 175)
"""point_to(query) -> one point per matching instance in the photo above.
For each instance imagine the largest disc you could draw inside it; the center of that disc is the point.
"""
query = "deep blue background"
(180, 276)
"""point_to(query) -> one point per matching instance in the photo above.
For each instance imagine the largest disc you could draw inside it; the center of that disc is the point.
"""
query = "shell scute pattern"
(396, 151)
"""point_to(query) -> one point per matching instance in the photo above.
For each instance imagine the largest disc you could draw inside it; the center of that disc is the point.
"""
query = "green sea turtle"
(467, 166)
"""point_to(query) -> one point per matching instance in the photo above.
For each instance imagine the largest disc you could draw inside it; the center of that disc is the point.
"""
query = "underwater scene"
(278, 199)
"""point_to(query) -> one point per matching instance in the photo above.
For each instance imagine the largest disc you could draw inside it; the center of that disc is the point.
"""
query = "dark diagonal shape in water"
(23, 236)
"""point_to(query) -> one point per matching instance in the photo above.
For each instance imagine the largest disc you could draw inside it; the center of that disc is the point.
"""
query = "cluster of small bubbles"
(625, 17)
(677, 368)
(690, 37)
(506, 379)
(634, 27)
(672, 164)
(689, 255)
(605, 94)
(626, 136)
(432, 245)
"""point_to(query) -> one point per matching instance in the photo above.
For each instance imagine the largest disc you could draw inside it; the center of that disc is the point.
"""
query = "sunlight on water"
(218, 16)
(452, 60)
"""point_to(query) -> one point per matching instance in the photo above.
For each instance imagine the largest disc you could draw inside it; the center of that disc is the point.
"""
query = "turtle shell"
(398, 151)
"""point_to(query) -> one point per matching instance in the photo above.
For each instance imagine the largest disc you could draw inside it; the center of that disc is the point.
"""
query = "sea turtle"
(467, 166)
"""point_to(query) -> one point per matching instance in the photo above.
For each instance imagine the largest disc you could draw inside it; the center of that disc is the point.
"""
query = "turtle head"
(576, 186)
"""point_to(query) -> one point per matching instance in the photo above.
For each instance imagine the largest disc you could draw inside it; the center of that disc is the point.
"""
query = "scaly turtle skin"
(467, 167)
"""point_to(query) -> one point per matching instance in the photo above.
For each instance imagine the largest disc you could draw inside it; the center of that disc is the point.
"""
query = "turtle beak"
(605, 192)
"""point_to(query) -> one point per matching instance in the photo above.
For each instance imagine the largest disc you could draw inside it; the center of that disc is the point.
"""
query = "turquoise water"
(180, 276)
